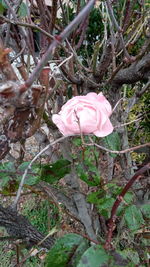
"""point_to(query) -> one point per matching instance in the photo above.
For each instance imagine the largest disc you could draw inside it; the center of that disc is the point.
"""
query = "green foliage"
(3, 4)
(145, 209)
(133, 217)
(68, 14)
(52, 173)
(7, 172)
(105, 205)
(112, 142)
(88, 173)
(5, 258)
(104, 199)
(66, 251)
(22, 12)
(77, 141)
(95, 256)
(10, 176)
(86, 166)
(2, 9)
(94, 32)
(32, 177)
(131, 255)
(41, 213)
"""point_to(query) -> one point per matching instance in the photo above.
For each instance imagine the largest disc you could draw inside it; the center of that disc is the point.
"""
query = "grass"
(44, 216)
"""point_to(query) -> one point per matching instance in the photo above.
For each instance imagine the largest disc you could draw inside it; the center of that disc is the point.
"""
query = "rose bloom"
(86, 114)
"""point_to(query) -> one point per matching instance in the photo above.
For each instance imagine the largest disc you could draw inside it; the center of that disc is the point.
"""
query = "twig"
(127, 123)
(118, 28)
(20, 53)
(11, 9)
(7, 32)
(114, 74)
(33, 251)
(83, 33)
(58, 39)
(64, 61)
(108, 245)
(144, 89)
(117, 151)
(85, 236)
(121, 99)
(29, 25)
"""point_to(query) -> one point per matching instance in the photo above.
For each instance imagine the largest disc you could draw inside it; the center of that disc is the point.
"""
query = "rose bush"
(86, 114)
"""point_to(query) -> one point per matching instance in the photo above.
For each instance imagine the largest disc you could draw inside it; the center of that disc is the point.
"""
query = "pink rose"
(86, 114)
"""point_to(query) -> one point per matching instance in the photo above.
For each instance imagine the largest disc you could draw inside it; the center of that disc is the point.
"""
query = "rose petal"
(88, 114)
(105, 130)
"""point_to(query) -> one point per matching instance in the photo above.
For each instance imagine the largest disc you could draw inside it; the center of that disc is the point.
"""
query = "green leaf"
(88, 173)
(31, 179)
(51, 173)
(2, 3)
(133, 217)
(145, 209)
(1, 9)
(112, 142)
(104, 206)
(95, 256)
(7, 173)
(77, 141)
(66, 251)
(131, 255)
(93, 197)
(128, 198)
(22, 12)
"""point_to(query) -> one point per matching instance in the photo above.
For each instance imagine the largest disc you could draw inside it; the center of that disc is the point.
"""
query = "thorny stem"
(58, 39)
(118, 28)
(111, 225)
(29, 25)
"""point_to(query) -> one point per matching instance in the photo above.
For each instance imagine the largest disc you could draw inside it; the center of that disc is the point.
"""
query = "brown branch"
(144, 89)
(69, 76)
(53, 14)
(128, 14)
(28, 25)
(83, 28)
(135, 72)
(58, 39)
(111, 225)
(18, 226)
(117, 151)
(118, 28)
(11, 9)
(85, 236)
(105, 62)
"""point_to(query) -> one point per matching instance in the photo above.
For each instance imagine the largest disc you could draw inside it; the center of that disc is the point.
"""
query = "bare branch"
(134, 73)
(58, 39)
(28, 25)
(117, 151)
(118, 28)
